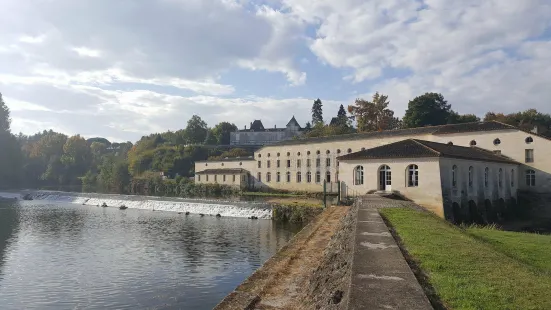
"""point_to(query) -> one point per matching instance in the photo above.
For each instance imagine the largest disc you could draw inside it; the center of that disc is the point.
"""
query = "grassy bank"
(295, 210)
(477, 268)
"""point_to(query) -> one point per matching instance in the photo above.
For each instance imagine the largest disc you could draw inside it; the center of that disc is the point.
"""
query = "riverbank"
(474, 268)
(292, 278)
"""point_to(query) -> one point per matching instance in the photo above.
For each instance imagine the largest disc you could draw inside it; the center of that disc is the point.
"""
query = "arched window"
(328, 177)
(471, 176)
(512, 177)
(299, 177)
(288, 153)
(240, 163)
(259, 155)
(530, 178)
(309, 177)
(486, 176)
(298, 154)
(472, 143)
(454, 176)
(328, 152)
(277, 154)
(450, 143)
(317, 152)
(385, 177)
(500, 177)
(268, 177)
(338, 151)
(288, 176)
(222, 164)
(529, 140)
(206, 164)
(318, 177)
(359, 175)
(268, 154)
(259, 177)
(278, 177)
(497, 141)
(349, 151)
(308, 153)
(413, 176)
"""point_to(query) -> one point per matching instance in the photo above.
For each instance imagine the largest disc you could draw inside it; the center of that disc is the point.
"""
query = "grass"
(297, 202)
(531, 249)
(468, 272)
(266, 194)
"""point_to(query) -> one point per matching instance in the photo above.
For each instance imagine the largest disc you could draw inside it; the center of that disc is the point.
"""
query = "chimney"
(245, 126)
(275, 126)
(251, 124)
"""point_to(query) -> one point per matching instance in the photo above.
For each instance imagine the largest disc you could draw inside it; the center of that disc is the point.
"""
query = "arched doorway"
(456, 211)
(474, 214)
(385, 178)
(489, 211)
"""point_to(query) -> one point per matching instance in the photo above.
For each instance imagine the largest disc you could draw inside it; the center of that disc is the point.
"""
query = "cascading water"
(207, 207)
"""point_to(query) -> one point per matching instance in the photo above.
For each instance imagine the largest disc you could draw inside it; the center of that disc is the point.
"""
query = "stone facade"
(258, 135)
(317, 157)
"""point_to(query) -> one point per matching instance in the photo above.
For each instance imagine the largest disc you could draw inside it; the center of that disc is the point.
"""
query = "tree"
(373, 115)
(4, 117)
(428, 109)
(222, 132)
(196, 130)
(527, 120)
(211, 138)
(317, 112)
(456, 118)
(10, 151)
(237, 152)
(342, 118)
(308, 126)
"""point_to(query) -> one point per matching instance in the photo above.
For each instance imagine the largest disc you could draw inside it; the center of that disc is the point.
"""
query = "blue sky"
(123, 69)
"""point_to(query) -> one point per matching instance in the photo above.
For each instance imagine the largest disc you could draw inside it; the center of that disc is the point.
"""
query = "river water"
(68, 256)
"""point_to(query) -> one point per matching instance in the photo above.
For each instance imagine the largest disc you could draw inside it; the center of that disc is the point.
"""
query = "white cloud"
(87, 52)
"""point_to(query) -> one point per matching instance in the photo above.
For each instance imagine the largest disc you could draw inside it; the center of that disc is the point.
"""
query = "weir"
(207, 207)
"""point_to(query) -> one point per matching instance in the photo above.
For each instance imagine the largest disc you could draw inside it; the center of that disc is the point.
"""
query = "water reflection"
(68, 256)
(8, 226)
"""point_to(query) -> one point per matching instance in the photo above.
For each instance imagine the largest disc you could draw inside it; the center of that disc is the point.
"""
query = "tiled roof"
(414, 148)
(293, 122)
(257, 125)
(223, 171)
(429, 130)
(225, 159)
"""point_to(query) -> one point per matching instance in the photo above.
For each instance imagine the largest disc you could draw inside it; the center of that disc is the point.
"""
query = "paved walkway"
(381, 277)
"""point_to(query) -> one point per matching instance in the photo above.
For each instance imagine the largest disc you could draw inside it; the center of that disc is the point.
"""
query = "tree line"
(429, 109)
(162, 163)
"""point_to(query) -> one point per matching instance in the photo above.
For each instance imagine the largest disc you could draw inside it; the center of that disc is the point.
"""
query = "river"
(59, 255)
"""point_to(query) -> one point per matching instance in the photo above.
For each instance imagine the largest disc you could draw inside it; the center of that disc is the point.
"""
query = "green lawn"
(531, 249)
(467, 272)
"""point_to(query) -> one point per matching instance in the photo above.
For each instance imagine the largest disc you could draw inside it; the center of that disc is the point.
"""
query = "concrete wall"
(427, 194)
(479, 192)
(246, 164)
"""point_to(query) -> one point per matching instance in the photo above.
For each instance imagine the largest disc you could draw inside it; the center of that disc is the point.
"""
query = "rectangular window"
(318, 177)
(309, 177)
(199, 178)
(259, 164)
(288, 163)
(338, 163)
(268, 177)
(298, 163)
(318, 162)
(308, 163)
(207, 177)
(328, 177)
(328, 162)
(529, 155)
(278, 163)
(288, 177)
(268, 164)
(278, 177)
(215, 178)
(224, 178)
(299, 177)
(259, 177)
(233, 178)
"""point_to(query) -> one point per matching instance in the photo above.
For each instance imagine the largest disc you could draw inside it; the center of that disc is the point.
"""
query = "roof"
(293, 122)
(223, 171)
(414, 148)
(429, 130)
(243, 158)
(257, 125)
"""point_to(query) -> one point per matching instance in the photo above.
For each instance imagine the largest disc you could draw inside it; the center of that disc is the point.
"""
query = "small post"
(324, 194)
(339, 193)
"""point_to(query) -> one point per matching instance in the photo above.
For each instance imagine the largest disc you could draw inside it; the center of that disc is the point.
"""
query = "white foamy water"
(207, 207)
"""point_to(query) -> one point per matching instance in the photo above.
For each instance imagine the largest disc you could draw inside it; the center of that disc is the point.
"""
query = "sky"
(127, 68)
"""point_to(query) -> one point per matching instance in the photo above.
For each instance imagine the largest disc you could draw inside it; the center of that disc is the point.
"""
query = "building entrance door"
(385, 178)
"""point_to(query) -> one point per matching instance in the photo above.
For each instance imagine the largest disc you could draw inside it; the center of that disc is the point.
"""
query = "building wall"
(428, 193)
(479, 192)
(240, 180)
(262, 137)
(246, 164)
(512, 145)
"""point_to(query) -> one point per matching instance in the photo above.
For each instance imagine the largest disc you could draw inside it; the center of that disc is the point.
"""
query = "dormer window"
(529, 140)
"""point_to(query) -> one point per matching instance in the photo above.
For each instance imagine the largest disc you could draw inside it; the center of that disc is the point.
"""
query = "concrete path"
(381, 277)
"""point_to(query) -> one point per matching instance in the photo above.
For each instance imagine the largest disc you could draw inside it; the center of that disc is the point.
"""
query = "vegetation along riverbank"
(474, 268)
